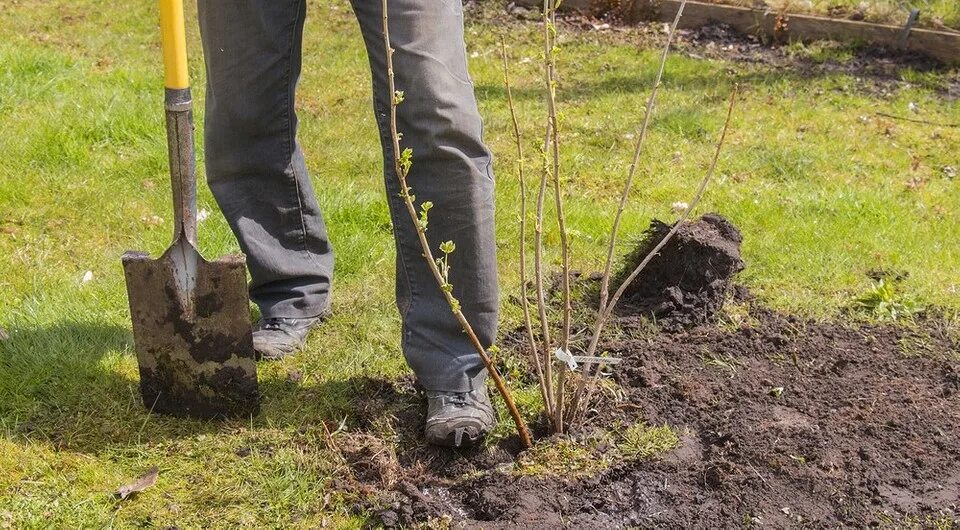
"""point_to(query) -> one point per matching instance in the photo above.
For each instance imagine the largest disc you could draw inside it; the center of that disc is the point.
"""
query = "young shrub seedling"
(562, 406)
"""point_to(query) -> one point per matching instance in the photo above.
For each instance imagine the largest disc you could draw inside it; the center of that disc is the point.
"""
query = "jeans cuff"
(445, 383)
(283, 310)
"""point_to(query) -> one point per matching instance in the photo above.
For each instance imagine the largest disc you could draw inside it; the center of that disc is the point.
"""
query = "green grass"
(561, 458)
(564, 457)
(823, 190)
(643, 441)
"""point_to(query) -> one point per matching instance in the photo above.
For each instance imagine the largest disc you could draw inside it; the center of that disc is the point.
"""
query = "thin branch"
(524, 296)
(628, 185)
(589, 379)
(401, 173)
(917, 120)
(538, 267)
(538, 280)
(553, 136)
(683, 217)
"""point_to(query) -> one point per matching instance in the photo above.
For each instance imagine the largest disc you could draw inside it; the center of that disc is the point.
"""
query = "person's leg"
(255, 167)
(451, 168)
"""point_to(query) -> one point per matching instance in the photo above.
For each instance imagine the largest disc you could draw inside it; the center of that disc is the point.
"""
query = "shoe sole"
(450, 441)
(466, 441)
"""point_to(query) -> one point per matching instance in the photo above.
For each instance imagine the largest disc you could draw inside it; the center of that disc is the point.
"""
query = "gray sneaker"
(458, 419)
(275, 338)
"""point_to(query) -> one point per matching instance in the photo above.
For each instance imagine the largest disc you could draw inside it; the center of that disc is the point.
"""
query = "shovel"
(191, 322)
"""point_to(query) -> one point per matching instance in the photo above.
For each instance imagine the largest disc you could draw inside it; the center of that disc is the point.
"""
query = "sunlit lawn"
(825, 191)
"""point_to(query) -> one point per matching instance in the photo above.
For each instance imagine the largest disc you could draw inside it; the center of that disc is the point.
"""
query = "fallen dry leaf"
(4, 335)
(916, 183)
(142, 483)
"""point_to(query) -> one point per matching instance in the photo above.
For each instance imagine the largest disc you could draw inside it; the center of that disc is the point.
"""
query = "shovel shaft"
(179, 105)
(174, 40)
(183, 176)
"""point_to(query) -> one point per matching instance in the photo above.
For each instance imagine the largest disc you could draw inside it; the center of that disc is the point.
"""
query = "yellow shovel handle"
(174, 41)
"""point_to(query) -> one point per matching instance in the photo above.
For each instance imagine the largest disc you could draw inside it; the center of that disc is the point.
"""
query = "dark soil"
(688, 280)
(786, 422)
(877, 70)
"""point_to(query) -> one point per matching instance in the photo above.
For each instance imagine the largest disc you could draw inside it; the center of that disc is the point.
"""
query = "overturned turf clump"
(686, 283)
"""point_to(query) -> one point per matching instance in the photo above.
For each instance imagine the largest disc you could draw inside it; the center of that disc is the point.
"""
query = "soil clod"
(688, 281)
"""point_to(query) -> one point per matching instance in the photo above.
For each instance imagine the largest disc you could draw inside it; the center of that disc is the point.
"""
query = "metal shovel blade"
(191, 325)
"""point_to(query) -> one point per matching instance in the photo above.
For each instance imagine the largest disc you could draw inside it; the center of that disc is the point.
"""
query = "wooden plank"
(940, 45)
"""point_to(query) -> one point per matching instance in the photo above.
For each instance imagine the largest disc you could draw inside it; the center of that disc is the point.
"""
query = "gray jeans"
(255, 168)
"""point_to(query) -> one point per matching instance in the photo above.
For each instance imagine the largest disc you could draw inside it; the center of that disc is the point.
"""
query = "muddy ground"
(783, 422)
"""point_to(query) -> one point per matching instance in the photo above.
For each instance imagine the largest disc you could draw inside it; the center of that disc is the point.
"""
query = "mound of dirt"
(687, 282)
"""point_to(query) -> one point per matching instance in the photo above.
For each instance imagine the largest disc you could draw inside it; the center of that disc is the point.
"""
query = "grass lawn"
(824, 190)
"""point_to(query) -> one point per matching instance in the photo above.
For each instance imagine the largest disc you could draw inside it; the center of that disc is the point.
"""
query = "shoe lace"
(273, 324)
(458, 399)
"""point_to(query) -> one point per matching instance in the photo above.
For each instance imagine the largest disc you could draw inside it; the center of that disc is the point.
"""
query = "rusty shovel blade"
(191, 325)
(191, 320)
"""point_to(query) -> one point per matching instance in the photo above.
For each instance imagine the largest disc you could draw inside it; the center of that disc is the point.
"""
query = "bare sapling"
(562, 406)
(439, 267)
(544, 353)
(624, 197)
